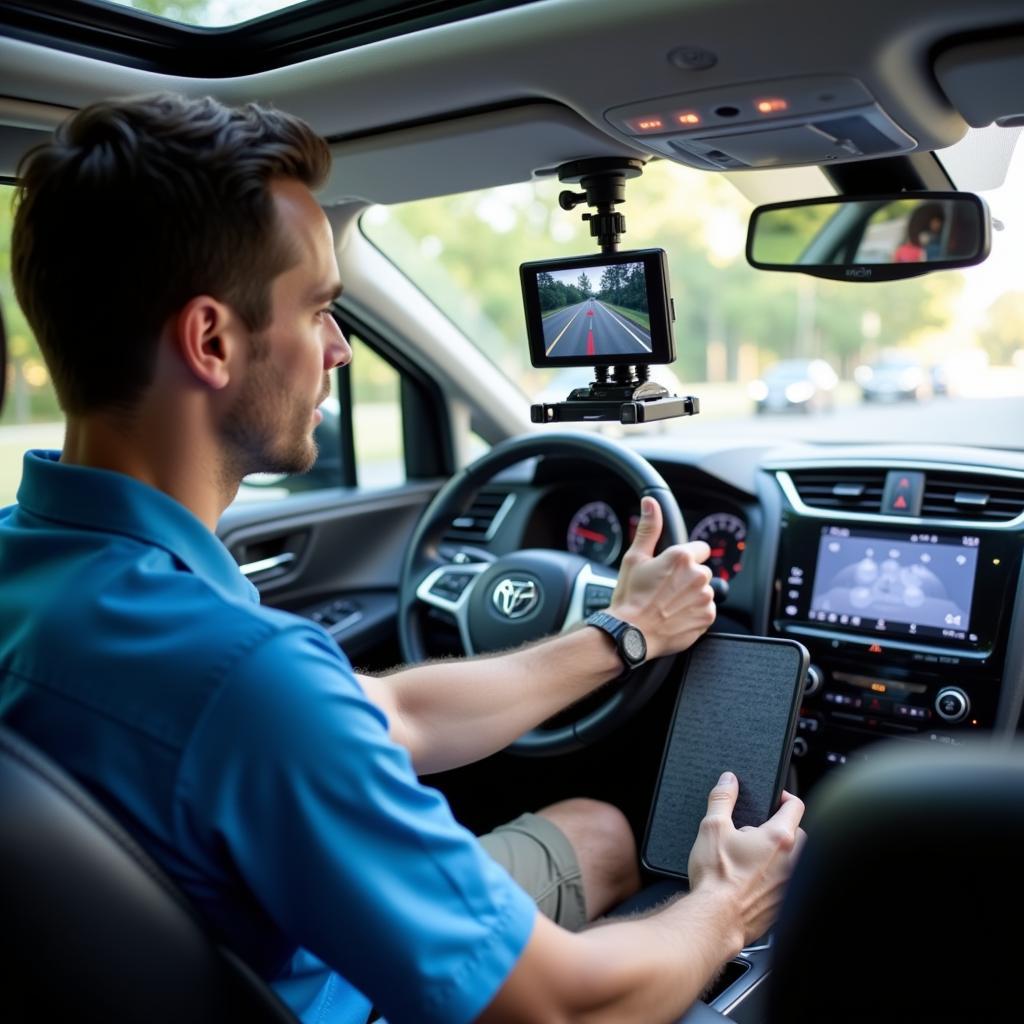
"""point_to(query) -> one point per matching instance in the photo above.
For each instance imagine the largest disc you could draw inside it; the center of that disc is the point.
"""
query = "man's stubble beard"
(267, 429)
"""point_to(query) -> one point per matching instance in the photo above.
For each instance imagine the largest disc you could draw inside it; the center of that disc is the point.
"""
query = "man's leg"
(576, 858)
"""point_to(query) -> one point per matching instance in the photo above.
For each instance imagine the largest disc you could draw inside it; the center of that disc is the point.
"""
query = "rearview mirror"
(871, 238)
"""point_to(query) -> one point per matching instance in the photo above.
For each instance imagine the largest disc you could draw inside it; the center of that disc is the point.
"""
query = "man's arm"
(652, 969)
(454, 712)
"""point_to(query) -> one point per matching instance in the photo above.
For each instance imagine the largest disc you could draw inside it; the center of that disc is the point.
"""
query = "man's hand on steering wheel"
(668, 596)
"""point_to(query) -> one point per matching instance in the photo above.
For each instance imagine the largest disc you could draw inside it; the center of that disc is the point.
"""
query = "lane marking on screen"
(558, 337)
(590, 343)
(640, 341)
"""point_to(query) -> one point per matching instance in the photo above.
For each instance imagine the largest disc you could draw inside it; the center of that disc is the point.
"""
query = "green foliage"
(189, 12)
(30, 396)
(1003, 334)
(464, 251)
(624, 285)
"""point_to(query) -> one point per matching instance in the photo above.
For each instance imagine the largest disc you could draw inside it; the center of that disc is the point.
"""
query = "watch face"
(633, 645)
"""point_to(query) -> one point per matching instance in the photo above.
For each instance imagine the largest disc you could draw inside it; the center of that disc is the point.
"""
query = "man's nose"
(337, 351)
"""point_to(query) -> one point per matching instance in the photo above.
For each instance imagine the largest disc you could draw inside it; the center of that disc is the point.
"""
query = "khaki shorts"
(536, 853)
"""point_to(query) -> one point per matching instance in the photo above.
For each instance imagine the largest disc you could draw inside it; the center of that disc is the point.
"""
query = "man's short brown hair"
(136, 207)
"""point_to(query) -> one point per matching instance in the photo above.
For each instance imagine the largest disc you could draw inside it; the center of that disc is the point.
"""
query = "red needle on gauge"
(717, 552)
(582, 531)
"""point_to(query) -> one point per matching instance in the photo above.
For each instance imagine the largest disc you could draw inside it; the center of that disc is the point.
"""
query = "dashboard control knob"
(813, 681)
(952, 704)
(799, 747)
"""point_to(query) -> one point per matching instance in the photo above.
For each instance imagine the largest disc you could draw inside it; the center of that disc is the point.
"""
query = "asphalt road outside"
(996, 422)
(590, 328)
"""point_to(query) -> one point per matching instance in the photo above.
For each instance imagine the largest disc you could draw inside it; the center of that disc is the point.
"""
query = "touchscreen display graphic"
(920, 584)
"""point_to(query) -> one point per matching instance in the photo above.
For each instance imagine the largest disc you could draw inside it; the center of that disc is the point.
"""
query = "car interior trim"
(789, 489)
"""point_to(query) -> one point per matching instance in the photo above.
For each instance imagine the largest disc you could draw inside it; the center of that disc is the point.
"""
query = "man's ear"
(205, 334)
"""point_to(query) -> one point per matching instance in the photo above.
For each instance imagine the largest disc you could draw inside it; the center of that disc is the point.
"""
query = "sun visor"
(985, 81)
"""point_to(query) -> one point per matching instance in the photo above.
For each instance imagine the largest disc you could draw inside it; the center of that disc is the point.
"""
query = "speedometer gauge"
(726, 535)
(595, 532)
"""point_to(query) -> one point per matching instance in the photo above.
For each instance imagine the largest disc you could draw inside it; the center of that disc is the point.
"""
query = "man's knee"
(605, 847)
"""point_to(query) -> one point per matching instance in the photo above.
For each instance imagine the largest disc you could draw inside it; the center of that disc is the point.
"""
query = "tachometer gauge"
(726, 535)
(595, 533)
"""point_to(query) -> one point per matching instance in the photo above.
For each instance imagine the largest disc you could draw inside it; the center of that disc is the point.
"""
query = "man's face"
(269, 424)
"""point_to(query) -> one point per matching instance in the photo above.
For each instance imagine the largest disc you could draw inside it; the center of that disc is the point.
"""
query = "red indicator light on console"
(688, 118)
(648, 124)
(771, 106)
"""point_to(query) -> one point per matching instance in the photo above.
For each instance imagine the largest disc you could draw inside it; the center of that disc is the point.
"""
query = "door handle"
(266, 564)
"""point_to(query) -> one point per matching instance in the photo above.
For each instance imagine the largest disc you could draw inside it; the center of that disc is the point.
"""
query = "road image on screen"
(879, 583)
(598, 311)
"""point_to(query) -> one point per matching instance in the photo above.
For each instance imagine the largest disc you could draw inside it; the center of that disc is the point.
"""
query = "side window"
(31, 417)
(376, 418)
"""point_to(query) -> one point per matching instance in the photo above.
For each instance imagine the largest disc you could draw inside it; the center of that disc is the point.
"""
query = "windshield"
(738, 330)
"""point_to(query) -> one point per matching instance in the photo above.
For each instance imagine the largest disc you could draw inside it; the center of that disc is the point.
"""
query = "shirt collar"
(111, 502)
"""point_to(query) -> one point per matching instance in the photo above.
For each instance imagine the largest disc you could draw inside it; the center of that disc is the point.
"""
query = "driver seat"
(93, 930)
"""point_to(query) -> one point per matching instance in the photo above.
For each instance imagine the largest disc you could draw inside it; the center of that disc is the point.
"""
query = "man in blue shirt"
(178, 274)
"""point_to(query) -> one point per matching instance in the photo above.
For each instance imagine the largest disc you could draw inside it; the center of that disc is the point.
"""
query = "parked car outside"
(795, 385)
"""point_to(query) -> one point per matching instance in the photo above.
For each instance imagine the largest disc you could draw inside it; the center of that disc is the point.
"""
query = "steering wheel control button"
(596, 598)
(629, 641)
(451, 585)
(952, 704)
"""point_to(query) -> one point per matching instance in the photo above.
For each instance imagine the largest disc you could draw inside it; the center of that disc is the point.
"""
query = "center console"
(907, 622)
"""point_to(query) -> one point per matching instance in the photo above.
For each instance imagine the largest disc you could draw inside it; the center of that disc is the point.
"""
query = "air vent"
(969, 496)
(858, 490)
(481, 520)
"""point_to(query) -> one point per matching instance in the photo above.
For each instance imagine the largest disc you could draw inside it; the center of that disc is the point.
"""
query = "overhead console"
(809, 119)
(902, 584)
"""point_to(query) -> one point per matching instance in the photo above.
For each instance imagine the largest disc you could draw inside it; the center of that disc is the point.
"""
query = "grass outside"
(632, 314)
(552, 312)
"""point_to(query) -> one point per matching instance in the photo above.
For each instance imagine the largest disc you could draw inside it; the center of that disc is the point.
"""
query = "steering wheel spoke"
(591, 592)
(448, 588)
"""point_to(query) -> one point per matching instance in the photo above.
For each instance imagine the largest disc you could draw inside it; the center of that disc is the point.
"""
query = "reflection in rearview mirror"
(877, 238)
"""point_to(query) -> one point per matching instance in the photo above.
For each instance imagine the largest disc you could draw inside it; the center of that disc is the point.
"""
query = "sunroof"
(225, 38)
(209, 13)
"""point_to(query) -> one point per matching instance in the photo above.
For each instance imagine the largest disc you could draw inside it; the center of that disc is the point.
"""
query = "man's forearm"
(641, 971)
(450, 713)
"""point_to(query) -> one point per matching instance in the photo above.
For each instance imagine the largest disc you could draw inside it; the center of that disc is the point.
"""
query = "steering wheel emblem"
(515, 598)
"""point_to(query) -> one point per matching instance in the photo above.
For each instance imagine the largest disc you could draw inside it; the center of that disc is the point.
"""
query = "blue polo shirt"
(235, 743)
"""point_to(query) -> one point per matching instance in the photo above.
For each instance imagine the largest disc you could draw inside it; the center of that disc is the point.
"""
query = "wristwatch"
(629, 641)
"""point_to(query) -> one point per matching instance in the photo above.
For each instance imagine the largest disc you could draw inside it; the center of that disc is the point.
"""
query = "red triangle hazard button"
(900, 502)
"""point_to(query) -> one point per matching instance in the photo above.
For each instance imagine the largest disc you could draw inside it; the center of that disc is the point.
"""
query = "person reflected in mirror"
(924, 236)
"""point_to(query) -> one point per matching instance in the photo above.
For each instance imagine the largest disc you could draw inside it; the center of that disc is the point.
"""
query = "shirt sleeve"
(292, 772)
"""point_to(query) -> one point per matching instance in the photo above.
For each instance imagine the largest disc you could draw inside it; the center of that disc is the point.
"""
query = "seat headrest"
(909, 884)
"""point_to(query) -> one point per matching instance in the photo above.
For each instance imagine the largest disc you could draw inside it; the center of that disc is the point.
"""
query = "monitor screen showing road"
(598, 312)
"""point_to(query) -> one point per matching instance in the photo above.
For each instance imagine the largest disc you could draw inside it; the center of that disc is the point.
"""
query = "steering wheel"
(504, 602)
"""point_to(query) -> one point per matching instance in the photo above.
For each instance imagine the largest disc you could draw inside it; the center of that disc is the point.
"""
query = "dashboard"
(899, 570)
(599, 523)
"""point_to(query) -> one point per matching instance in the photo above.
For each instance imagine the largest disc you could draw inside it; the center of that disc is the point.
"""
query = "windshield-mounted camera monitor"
(606, 309)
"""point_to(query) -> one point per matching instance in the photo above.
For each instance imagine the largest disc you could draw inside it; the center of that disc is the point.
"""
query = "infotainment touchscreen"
(920, 584)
